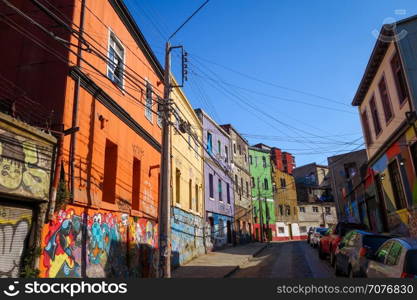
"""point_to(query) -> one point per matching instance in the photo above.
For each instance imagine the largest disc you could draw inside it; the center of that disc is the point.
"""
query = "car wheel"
(321, 254)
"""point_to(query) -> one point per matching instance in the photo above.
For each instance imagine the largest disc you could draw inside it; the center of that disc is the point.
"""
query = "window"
(247, 189)
(253, 181)
(315, 209)
(241, 185)
(303, 229)
(256, 161)
(283, 183)
(226, 151)
(219, 187)
(136, 184)
(190, 194)
(327, 210)
(237, 184)
(240, 149)
(413, 150)
(110, 172)
(265, 184)
(177, 185)
(281, 230)
(196, 198)
(394, 254)
(397, 186)
(115, 68)
(350, 170)
(365, 124)
(148, 102)
(246, 159)
(211, 186)
(250, 159)
(228, 192)
(287, 210)
(234, 147)
(375, 116)
(219, 147)
(385, 99)
(209, 142)
(302, 209)
(264, 161)
(399, 77)
(159, 117)
(281, 210)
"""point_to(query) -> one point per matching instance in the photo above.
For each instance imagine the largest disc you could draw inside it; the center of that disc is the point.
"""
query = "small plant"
(28, 270)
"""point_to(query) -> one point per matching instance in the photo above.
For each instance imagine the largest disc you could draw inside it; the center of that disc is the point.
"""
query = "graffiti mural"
(14, 228)
(115, 245)
(188, 236)
(24, 166)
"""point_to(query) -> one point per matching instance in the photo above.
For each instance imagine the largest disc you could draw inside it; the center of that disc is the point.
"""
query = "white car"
(316, 235)
(395, 258)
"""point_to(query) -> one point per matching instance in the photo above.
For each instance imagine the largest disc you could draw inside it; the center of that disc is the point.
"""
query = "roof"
(201, 112)
(125, 15)
(229, 127)
(386, 36)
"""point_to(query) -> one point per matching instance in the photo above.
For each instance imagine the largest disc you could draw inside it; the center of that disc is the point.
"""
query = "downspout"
(73, 142)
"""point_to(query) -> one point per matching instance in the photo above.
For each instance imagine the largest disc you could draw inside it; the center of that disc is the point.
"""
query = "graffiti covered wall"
(82, 242)
(14, 228)
(188, 236)
(25, 162)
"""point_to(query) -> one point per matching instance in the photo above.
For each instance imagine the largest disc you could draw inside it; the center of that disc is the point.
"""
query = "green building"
(262, 191)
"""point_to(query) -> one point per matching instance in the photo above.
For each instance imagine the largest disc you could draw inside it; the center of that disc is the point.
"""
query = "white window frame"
(113, 38)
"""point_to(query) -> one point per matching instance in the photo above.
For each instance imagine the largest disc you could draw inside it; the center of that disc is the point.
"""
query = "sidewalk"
(220, 263)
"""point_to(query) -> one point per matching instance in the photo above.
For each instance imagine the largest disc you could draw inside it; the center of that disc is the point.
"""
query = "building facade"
(386, 101)
(286, 212)
(318, 214)
(187, 177)
(27, 163)
(239, 150)
(312, 183)
(103, 89)
(262, 192)
(219, 196)
(347, 176)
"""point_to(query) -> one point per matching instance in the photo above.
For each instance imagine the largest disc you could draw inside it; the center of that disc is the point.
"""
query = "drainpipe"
(73, 142)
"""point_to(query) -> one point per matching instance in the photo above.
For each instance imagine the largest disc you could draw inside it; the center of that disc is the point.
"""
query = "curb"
(231, 272)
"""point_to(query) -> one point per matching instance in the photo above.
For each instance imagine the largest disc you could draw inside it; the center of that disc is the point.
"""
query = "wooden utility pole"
(165, 201)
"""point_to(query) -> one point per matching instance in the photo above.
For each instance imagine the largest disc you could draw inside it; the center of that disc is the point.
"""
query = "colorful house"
(386, 101)
(101, 88)
(239, 150)
(219, 196)
(187, 177)
(262, 192)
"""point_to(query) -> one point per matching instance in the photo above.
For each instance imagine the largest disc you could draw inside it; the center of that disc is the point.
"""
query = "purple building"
(218, 195)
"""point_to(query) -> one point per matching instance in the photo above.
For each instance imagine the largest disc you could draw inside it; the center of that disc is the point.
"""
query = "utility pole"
(165, 202)
(164, 224)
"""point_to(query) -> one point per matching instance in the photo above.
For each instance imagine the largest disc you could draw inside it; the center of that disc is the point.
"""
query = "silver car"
(395, 258)
(316, 235)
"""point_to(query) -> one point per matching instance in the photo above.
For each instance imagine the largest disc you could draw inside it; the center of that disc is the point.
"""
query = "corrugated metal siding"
(15, 223)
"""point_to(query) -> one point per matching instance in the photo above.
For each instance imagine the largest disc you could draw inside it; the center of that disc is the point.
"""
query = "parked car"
(330, 241)
(309, 233)
(316, 235)
(395, 258)
(351, 255)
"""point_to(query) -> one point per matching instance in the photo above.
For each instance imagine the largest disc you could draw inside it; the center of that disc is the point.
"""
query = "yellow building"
(286, 212)
(187, 181)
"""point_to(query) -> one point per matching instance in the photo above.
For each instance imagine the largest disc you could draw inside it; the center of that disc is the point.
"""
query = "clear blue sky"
(283, 71)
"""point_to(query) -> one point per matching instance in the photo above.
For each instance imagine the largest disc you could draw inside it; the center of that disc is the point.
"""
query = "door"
(15, 222)
(290, 231)
(229, 232)
(381, 202)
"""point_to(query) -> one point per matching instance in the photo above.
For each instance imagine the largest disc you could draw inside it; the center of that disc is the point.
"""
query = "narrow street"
(293, 259)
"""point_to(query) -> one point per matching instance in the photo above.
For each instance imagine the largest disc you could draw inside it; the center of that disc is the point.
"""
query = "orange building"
(88, 65)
